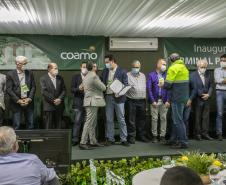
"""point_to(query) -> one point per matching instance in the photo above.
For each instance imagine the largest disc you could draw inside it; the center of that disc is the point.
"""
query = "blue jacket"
(199, 88)
(121, 75)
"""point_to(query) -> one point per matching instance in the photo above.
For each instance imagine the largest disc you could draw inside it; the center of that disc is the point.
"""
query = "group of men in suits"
(173, 88)
(20, 87)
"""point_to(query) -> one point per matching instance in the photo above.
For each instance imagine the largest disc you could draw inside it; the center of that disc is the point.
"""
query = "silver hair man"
(8, 140)
(21, 59)
(202, 62)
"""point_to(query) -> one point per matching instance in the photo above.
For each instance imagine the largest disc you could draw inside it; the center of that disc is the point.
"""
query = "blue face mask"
(135, 70)
(108, 66)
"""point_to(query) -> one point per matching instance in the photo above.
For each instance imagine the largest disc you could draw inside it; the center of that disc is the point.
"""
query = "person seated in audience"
(180, 175)
(21, 168)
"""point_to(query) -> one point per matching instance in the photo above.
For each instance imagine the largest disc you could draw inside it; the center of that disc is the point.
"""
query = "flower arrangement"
(199, 162)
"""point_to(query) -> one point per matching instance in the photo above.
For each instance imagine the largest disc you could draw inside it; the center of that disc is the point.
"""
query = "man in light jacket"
(93, 99)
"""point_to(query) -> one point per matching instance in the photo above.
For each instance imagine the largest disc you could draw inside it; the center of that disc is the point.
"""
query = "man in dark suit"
(201, 80)
(20, 87)
(53, 91)
(78, 91)
(111, 72)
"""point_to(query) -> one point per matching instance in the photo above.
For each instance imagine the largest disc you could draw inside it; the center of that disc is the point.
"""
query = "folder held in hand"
(119, 88)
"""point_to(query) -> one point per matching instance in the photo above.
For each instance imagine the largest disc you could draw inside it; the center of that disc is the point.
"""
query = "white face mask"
(84, 71)
(54, 72)
(223, 64)
(202, 70)
(163, 68)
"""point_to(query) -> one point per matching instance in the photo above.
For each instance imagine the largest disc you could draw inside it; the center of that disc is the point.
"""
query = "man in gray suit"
(93, 99)
(2, 92)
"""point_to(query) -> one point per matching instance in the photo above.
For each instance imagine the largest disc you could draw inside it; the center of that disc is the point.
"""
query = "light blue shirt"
(24, 169)
(219, 76)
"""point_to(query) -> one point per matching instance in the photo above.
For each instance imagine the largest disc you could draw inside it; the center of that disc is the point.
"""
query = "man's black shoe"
(125, 143)
(85, 147)
(179, 146)
(154, 139)
(207, 137)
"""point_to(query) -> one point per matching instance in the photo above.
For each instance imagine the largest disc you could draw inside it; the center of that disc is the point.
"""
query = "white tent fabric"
(130, 18)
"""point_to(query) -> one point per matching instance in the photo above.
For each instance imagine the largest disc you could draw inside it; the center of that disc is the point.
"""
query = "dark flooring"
(146, 150)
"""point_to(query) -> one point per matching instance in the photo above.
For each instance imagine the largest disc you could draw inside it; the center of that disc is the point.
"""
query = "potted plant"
(200, 163)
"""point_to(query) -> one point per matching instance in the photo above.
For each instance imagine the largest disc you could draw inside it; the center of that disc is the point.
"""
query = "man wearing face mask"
(177, 82)
(20, 87)
(78, 91)
(53, 91)
(220, 80)
(159, 100)
(136, 104)
(203, 90)
(111, 72)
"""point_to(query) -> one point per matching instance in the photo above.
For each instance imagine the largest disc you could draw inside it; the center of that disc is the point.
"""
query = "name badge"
(24, 88)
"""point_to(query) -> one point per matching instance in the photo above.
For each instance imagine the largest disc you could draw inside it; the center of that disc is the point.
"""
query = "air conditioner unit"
(133, 44)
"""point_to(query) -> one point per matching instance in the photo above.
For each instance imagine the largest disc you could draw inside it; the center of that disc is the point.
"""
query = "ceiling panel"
(130, 18)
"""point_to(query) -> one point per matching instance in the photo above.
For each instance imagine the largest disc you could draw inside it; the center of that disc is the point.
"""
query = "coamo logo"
(78, 56)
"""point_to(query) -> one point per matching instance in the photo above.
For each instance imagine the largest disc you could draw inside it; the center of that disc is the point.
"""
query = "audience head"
(89, 66)
(161, 65)
(110, 62)
(174, 57)
(53, 69)
(202, 66)
(136, 67)
(83, 68)
(223, 61)
(21, 61)
(8, 140)
(180, 175)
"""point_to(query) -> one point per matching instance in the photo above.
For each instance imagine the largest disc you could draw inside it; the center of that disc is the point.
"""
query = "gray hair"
(135, 62)
(203, 61)
(21, 59)
(7, 139)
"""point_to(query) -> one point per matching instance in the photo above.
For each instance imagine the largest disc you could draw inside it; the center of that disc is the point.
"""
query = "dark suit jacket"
(14, 91)
(199, 87)
(78, 94)
(50, 93)
(121, 75)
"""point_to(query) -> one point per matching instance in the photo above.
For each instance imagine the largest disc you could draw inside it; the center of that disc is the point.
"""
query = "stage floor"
(145, 150)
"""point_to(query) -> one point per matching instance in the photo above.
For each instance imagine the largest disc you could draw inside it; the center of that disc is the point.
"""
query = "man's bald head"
(53, 69)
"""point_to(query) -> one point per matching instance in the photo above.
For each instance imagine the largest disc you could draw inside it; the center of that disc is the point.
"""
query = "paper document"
(119, 88)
